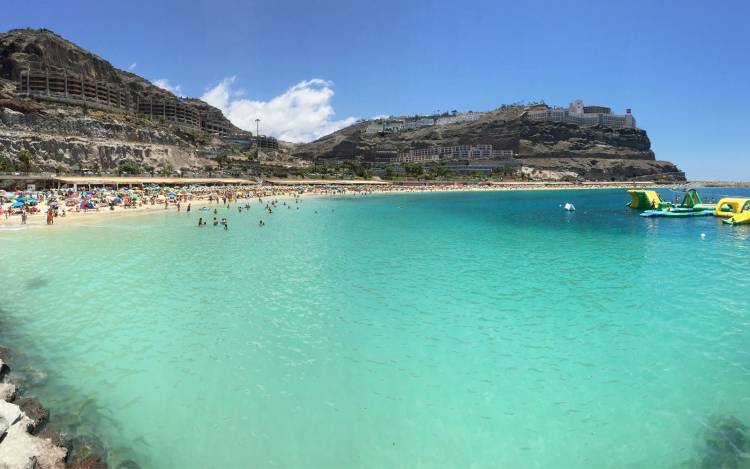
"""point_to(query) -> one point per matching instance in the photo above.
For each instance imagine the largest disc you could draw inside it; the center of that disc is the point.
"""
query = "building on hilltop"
(417, 123)
(374, 127)
(398, 125)
(578, 113)
(459, 117)
(456, 152)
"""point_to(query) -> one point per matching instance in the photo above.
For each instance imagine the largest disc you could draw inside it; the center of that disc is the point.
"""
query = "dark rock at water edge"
(34, 410)
(4, 358)
(51, 431)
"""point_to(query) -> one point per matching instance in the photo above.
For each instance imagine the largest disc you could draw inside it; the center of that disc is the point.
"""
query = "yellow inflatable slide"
(642, 200)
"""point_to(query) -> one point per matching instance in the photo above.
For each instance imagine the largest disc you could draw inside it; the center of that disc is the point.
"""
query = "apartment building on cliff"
(456, 152)
(61, 85)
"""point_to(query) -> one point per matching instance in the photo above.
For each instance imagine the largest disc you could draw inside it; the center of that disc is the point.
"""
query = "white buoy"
(703, 235)
(569, 207)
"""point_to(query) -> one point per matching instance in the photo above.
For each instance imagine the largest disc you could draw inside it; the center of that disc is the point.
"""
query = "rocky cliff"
(64, 135)
(551, 149)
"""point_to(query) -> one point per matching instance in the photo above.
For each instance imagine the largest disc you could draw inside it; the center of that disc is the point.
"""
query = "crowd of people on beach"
(16, 207)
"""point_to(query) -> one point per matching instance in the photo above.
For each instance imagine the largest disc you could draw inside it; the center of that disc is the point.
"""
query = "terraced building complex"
(46, 67)
(61, 85)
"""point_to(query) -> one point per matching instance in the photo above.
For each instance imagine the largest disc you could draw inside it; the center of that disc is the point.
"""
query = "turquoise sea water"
(421, 330)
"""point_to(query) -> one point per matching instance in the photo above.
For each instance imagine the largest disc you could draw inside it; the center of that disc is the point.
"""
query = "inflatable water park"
(734, 210)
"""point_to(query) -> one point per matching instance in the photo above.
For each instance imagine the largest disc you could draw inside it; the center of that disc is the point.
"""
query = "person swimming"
(216, 222)
(200, 221)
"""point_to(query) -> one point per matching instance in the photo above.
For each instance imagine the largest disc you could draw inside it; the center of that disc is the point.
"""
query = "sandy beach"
(250, 194)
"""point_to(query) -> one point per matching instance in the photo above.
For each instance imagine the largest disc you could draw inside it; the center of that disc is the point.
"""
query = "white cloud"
(164, 84)
(302, 113)
(132, 66)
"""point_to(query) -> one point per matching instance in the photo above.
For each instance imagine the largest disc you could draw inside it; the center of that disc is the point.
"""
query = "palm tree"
(26, 162)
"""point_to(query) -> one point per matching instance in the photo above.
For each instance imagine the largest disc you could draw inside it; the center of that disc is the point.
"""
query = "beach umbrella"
(17, 204)
(32, 201)
(52, 204)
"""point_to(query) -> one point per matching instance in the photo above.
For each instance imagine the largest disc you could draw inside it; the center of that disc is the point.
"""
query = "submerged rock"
(85, 450)
(128, 464)
(89, 462)
(28, 378)
(726, 440)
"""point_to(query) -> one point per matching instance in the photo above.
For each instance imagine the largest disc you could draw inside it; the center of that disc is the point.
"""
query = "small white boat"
(569, 207)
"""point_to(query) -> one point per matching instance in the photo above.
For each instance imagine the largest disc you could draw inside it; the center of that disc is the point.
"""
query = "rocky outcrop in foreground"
(19, 447)
(26, 439)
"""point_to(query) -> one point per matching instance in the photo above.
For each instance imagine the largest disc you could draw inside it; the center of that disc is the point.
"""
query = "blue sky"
(307, 67)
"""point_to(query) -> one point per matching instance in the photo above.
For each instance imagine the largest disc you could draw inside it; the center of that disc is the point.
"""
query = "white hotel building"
(577, 113)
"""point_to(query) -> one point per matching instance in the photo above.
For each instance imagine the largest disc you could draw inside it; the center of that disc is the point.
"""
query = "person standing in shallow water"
(50, 217)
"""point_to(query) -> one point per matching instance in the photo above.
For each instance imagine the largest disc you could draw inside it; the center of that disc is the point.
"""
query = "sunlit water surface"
(424, 330)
